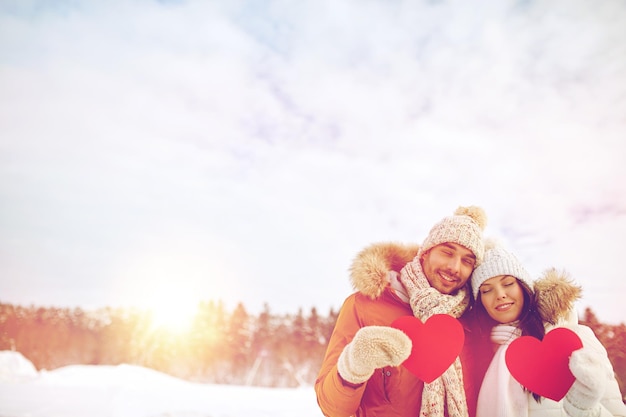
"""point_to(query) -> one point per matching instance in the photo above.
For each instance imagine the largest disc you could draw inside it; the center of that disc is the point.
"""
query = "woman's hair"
(530, 321)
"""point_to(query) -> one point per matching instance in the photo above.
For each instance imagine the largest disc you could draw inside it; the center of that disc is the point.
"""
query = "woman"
(509, 305)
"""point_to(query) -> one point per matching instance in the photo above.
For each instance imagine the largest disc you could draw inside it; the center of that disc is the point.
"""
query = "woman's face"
(503, 298)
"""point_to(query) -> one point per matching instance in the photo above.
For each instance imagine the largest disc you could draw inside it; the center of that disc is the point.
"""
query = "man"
(360, 375)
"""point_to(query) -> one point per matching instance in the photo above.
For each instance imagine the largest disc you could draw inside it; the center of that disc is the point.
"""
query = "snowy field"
(133, 391)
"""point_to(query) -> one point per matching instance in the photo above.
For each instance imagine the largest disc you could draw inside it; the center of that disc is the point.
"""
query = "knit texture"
(498, 261)
(465, 228)
(447, 391)
(592, 376)
(371, 348)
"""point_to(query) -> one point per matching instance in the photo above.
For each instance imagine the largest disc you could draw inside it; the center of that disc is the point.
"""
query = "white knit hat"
(465, 227)
(498, 261)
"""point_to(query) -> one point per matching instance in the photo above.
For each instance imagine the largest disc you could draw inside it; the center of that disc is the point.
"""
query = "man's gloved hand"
(592, 375)
(373, 347)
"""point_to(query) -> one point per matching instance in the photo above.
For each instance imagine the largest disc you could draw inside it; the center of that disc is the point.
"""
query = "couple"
(361, 373)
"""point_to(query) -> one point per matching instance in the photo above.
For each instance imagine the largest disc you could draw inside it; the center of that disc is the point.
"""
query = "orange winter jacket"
(391, 391)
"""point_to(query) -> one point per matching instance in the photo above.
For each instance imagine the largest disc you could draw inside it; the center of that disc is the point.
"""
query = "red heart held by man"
(436, 343)
(543, 366)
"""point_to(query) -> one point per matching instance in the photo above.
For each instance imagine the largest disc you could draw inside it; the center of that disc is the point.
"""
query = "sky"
(134, 391)
(161, 153)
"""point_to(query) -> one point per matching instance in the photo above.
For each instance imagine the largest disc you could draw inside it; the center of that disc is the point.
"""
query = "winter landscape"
(134, 391)
(159, 155)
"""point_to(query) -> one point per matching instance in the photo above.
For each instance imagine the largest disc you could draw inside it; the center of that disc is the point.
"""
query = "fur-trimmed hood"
(368, 272)
(555, 293)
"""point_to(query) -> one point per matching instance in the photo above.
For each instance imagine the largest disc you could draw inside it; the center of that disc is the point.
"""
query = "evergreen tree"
(238, 341)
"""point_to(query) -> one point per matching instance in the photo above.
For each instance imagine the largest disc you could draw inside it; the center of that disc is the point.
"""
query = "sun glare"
(173, 313)
(168, 280)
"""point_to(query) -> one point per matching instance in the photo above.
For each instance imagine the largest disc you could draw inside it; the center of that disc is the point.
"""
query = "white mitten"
(373, 347)
(589, 367)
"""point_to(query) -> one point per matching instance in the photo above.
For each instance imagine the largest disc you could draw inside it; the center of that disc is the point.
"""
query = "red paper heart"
(436, 343)
(543, 366)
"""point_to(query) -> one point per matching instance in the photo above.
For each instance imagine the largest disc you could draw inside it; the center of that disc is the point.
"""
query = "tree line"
(220, 346)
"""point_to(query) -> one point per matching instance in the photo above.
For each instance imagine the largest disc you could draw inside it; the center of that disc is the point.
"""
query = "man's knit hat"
(465, 227)
(498, 261)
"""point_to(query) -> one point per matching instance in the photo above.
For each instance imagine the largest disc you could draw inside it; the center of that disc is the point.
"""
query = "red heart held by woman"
(436, 343)
(543, 366)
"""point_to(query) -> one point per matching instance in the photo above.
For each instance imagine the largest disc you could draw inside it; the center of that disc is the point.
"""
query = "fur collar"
(555, 293)
(368, 272)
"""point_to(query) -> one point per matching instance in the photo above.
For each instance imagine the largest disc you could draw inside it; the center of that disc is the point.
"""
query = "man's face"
(448, 266)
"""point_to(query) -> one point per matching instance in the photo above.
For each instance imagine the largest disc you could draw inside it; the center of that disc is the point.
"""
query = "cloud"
(263, 145)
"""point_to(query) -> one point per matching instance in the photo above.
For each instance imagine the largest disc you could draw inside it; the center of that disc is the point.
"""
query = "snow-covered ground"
(133, 391)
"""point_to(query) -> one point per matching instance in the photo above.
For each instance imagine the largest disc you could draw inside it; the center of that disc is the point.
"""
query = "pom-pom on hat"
(465, 227)
(498, 261)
